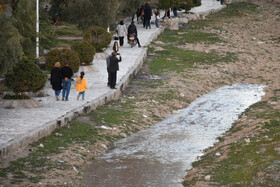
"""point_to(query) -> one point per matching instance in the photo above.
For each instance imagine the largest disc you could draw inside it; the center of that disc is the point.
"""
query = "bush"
(85, 51)
(98, 37)
(189, 5)
(197, 2)
(25, 77)
(63, 55)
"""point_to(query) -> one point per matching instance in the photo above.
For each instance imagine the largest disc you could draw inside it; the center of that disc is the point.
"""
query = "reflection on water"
(160, 155)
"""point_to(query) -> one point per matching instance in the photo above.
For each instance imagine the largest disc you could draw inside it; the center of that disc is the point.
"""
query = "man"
(133, 30)
(108, 64)
(113, 68)
(66, 74)
(147, 15)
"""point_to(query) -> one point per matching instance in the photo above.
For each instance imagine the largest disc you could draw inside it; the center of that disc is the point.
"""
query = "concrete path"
(19, 127)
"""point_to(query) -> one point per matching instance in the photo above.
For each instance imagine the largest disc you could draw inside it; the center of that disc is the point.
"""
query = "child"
(81, 86)
(116, 47)
(157, 19)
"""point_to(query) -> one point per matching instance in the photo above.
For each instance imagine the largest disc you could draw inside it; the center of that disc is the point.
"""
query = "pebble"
(247, 140)
(41, 145)
(218, 154)
(207, 177)
(145, 116)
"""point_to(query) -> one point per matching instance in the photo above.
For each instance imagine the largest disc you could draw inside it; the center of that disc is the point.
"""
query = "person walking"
(66, 74)
(133, 30)
(108, 64)
(147, 15)
(122, 31)
(113, 68)
(81, 86)
(56, 80)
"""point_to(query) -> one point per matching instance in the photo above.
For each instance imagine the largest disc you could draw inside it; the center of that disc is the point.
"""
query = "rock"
(227, 2)
(175, 112)
(41, 145)
(61, 167)
(191, 17)
(217, 154)
(247, 140)
(192, 122)
(105, 127)
(207, 177)
(260, 42)
(60, 161)
(180, 180)
(254, 38)
(183, 20)
(57, 134)
(145, 116)
(182, 95)
(103, 146)
(123, 135)
(225, 71)
(75, 169)
(172, 24)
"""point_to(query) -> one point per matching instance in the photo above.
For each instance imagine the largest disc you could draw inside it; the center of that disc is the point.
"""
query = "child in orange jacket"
(81, 86)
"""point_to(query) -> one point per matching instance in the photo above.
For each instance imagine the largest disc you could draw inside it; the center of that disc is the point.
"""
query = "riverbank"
(220, 50)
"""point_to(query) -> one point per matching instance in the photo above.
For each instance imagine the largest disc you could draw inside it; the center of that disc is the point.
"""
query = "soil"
(255, 38)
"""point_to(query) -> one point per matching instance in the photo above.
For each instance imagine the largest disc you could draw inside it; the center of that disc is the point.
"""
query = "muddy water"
(160, 155)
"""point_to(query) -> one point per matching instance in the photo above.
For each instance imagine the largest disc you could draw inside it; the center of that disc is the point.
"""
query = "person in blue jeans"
(66, 74)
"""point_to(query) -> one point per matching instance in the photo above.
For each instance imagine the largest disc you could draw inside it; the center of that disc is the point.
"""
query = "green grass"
(175, 59)
(35, 163)
(183, 36)
(68, 30)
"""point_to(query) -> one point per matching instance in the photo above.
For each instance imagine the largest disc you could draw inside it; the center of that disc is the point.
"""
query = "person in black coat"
(133, 30)
(113, 68)
(147, 15)
(56, 80)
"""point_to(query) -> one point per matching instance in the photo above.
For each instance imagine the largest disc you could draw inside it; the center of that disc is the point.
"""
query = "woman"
(122, 31)
(56, 80)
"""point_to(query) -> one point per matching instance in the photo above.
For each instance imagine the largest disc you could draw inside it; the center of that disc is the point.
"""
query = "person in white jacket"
(122, 31)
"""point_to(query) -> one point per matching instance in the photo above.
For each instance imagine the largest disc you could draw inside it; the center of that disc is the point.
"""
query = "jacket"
(81, 85)
(121, 30)
(132, 29)
(114, 64)
(56, 79)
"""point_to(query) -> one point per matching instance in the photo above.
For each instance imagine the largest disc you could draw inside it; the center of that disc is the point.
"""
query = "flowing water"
(160, 155)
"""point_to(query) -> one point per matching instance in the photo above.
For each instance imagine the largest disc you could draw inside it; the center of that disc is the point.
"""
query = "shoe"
(57, 98)
(113, 88)
(78, 98)
(62, 98)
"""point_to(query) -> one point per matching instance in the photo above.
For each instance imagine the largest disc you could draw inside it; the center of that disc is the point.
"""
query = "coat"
(121, 30)
(132, 29)
(56, 79)
(81, 85)
(114, 64)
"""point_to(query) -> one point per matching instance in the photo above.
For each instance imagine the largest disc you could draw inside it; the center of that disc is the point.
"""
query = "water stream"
(160, 155)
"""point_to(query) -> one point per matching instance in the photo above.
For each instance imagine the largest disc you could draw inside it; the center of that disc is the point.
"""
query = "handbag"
(116, 37)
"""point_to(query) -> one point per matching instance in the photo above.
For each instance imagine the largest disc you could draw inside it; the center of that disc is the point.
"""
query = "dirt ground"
(256, 40)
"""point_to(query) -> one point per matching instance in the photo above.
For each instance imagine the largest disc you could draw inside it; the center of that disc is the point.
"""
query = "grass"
(179, 37)
(67, 30)
(175, 59)
(36, 163)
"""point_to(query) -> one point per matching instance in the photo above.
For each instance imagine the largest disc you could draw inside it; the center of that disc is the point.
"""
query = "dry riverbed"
(239, 44)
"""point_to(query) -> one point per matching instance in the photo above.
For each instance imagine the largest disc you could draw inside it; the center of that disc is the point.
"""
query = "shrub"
(25, 77)
(85, 51)
(197, 2)
(63, 55)
(189, 5)
(98, 37)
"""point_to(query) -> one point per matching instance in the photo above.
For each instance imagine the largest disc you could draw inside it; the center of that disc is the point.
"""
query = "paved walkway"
(19, 127)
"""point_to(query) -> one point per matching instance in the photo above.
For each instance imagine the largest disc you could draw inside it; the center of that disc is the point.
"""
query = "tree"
(10, 47)
(25, 76)
(87, 13)
(25, 16)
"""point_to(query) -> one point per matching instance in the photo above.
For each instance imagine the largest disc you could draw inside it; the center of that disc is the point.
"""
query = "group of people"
(144, 13)
(122, 31)
(61, 80)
